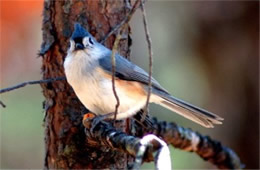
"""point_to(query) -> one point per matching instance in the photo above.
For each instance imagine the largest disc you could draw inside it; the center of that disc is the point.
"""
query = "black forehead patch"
(78, 40)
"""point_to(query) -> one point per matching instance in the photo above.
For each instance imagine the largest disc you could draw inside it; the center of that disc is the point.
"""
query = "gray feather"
(196, 114)
(126, 70)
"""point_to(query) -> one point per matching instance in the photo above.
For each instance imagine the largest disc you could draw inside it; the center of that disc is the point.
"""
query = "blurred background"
(206, 53)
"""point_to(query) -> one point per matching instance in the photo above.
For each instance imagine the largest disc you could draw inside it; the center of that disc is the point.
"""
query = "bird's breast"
(93, 86)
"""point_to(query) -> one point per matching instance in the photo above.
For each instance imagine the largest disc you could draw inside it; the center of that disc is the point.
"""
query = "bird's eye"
(88, 41)
(91, 41)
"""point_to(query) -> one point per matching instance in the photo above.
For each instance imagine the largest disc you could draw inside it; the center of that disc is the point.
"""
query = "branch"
(142, 149)
(2, 104)
(20, 85)
(179, 137)
(188, 140)
(149, 43)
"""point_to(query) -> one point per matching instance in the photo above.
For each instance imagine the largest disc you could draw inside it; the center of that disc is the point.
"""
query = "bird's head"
(81, 39)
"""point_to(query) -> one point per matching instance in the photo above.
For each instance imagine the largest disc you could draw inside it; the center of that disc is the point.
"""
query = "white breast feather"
(94, 90)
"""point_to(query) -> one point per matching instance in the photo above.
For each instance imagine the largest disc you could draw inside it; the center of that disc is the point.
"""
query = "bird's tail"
(189, 111)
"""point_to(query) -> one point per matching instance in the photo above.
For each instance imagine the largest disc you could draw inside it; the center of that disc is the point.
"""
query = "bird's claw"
(90, 121)
(95, 121)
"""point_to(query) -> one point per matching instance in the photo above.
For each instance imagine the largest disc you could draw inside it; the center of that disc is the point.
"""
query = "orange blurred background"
(20, 25)
(22, 134)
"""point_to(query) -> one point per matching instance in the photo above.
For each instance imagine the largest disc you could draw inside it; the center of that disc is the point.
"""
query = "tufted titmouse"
(88, 70)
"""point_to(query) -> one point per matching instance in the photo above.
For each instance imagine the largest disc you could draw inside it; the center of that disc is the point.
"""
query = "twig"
(2, 104)
(123, 22)
(31, 83)
(149, 43)
(120, 27)
(113, 62)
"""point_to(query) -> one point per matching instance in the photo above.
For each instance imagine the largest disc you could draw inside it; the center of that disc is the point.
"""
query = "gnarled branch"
(142, 149)
(179, 137)
(188, 140)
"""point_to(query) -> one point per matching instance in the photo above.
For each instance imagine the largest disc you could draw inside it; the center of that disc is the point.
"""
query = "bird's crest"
(79, 31)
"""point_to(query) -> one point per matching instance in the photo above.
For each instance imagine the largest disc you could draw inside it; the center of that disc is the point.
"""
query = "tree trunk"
(65, 141)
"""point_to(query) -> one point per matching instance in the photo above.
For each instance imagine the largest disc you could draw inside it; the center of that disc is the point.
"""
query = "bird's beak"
(79, 46)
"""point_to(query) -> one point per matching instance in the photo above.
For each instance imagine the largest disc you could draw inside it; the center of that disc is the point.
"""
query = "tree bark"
(65, 141)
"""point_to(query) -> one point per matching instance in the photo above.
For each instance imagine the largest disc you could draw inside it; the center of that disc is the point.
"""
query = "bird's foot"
(96, 120)
(91, 120)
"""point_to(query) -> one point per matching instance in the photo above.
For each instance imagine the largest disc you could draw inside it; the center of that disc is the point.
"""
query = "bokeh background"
(206, 53)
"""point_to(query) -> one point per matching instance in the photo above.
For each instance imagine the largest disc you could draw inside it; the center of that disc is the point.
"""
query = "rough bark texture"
(66, 144)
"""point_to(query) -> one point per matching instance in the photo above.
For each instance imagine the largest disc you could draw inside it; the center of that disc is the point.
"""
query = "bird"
(88, 69)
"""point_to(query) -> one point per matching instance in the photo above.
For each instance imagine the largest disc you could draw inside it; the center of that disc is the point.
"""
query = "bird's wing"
(126, 70)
